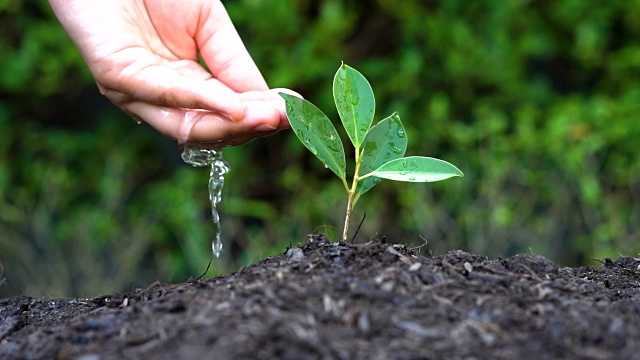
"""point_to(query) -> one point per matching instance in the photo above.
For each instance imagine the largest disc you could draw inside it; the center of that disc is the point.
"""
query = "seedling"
(379, 149)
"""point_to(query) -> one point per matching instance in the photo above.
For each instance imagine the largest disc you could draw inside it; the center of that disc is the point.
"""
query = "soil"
(325, 300)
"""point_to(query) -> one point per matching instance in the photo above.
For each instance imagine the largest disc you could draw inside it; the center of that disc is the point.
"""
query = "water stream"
(199, 157)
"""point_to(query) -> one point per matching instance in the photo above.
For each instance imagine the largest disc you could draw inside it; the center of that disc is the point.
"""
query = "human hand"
(144, 57)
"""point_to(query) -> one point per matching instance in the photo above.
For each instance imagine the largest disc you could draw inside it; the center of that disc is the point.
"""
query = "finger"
(269, 95)
(225, 54)
(260, 117)
(273, 97)
(162, 85)
(209, 127)
(236, 140)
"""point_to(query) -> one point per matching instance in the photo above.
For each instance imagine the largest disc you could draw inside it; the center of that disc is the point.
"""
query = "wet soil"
(326, 300)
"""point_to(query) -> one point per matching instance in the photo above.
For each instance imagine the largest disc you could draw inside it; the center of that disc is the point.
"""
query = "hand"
(144, 57)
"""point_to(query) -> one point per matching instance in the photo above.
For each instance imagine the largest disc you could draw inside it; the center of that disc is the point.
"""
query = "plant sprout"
(379, 149)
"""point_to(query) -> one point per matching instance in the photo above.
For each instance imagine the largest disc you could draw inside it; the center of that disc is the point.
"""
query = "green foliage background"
(537, 102)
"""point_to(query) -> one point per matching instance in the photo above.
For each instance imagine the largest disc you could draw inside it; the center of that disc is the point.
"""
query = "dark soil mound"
(342, 301)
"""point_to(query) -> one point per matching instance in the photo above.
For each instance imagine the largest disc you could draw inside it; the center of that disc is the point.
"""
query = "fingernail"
(287, 91)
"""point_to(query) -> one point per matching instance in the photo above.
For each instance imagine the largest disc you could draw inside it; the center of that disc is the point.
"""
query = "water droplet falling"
(198, 157)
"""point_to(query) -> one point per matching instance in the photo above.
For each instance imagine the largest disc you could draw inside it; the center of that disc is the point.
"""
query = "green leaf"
(355, 103)
(417, 169)
(316, 132)
(386, 141)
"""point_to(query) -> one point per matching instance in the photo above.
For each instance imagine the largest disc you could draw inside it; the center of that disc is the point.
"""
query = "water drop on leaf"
(311, 148)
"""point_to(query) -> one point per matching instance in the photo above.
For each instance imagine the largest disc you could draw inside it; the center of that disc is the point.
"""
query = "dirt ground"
(326, 300)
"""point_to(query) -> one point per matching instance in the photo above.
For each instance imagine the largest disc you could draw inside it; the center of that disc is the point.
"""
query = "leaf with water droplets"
(381, 145)
(417, 169)
(355, 103)
(316, 132)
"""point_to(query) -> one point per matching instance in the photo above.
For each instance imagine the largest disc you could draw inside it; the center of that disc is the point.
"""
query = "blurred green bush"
(538, 102)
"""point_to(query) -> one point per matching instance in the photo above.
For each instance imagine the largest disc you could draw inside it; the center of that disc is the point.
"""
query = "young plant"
(379, 149)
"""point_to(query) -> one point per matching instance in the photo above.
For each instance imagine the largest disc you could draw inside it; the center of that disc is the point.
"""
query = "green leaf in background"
(386, 141)
(355, 103)
(416, 169)
(316, 132)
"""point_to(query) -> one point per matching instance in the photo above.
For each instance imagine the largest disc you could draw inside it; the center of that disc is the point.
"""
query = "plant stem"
(347, 219)
(352, 195)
